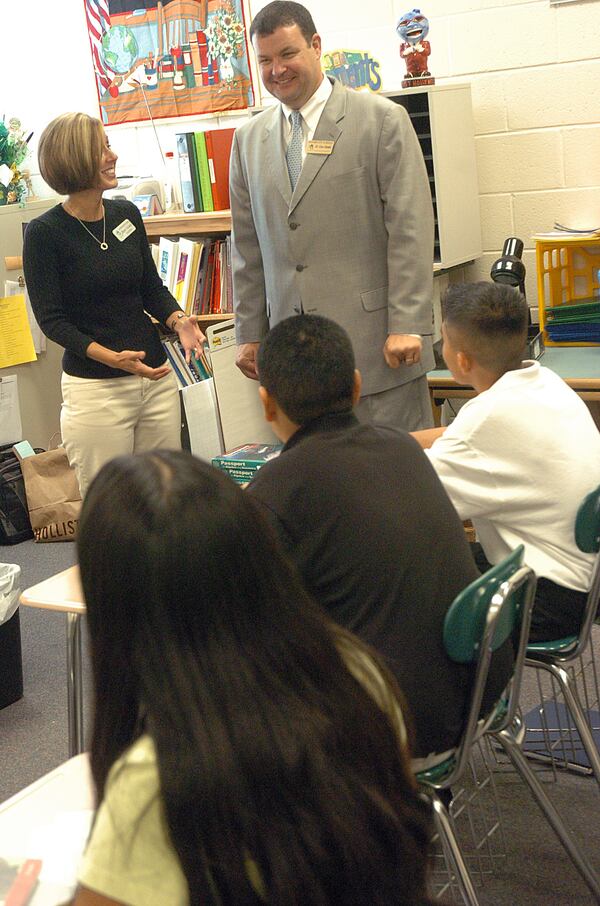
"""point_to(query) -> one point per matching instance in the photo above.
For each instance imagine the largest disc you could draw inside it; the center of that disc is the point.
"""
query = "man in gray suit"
(332, 215)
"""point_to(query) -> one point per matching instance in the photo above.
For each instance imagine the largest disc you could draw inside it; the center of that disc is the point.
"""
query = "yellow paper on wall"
(16, 342)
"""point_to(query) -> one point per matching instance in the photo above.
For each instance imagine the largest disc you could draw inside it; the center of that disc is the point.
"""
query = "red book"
(218, 150)
(22, 883)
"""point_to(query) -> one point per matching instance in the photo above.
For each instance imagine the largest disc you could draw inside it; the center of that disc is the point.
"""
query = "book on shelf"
(167, 260)
(187, 373)
(197, 272)
(202, 365)
(203, 172)
(181, 269)
(218, 149)
(173, 362)
(183, 372)
(193, 275)
(188, 255)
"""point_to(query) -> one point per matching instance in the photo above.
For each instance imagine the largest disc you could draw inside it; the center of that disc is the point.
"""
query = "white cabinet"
(442, 116)
(38, 382)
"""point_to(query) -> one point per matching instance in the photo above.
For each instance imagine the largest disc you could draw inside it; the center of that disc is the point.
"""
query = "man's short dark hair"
(279, 14)
(307, 364)
(490, 321)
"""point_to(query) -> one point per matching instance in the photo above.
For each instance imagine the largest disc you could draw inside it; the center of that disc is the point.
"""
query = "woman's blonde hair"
(70, 152)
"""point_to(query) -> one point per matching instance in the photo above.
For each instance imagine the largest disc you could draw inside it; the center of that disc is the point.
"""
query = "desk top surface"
(579, 366)
(50, 820)
(60, 592)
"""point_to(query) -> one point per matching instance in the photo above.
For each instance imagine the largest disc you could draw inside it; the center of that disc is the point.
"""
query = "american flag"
(98, 22)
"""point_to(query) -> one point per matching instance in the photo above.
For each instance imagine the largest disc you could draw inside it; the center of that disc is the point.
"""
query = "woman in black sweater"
(93, 284)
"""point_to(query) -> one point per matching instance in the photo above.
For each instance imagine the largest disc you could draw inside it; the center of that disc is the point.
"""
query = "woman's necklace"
(104, 244)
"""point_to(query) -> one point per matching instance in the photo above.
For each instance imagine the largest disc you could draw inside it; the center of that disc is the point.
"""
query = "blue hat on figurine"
(412, 27)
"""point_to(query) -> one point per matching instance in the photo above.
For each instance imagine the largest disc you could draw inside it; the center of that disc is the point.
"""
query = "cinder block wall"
(535, 76)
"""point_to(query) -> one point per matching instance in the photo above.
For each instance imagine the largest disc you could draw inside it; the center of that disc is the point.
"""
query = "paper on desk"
(11, 430)
(13, 288)
(16, 342)
(60, 845)
(202, 420)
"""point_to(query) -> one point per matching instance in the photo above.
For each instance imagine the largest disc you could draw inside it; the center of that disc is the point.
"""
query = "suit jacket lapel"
(275, 163)
(329, 128)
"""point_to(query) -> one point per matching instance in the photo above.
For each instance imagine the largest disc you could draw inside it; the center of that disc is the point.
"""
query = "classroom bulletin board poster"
(168, 58)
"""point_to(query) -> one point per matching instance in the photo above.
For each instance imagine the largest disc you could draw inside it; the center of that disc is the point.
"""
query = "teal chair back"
(490, 610)
(587, 524)
(465, 621)
(587, 538)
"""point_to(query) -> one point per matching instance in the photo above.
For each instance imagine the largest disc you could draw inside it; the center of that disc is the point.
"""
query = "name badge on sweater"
(314, 147)
(125, 229)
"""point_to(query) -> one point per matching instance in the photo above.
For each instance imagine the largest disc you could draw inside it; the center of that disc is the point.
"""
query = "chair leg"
(452, 850)
(574, 705)
(515, 754)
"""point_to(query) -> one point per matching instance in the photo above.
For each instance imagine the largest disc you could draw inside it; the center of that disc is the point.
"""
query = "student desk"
(50, 820)
(579, 366)
(63, 592)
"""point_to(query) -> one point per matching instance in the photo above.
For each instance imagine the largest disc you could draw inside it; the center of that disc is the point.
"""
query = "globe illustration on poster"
(119, 49)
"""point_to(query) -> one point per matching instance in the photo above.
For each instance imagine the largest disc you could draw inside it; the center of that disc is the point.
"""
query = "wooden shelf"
(181, 224)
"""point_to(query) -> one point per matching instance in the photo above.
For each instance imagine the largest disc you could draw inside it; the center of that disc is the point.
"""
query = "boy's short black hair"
(307, 364)
(279, 14)
(490, 321)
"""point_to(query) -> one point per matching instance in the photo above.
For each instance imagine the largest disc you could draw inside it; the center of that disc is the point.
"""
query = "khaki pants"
(104, 418)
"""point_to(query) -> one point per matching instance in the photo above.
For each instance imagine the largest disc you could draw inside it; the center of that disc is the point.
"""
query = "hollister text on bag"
(53, 496)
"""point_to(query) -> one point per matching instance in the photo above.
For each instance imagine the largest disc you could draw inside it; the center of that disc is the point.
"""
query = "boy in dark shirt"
(367, 522)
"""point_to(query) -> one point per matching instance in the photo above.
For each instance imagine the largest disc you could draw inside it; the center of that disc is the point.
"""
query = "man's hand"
(132, 363)
(402, 349)
(246, 359)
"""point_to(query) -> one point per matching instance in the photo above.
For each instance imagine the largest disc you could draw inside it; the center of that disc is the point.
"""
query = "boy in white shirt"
(521, 456)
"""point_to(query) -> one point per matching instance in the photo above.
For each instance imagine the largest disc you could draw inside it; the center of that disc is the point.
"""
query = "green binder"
(203, 172)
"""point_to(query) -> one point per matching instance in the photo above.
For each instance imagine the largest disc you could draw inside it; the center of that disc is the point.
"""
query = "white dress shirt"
(311, 114)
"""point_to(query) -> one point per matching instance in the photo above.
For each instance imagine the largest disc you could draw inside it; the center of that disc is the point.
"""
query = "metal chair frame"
(478, 622)
(557, 658)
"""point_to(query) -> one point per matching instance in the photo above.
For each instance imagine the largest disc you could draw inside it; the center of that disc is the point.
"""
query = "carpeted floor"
(33, 740)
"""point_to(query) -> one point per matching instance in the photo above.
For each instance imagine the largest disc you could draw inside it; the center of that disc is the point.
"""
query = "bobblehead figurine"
(412, 29)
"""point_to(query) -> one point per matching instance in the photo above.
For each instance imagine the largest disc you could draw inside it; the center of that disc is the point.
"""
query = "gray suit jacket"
(354, 242)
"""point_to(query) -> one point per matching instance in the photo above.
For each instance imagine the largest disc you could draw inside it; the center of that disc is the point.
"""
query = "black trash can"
(11, 661)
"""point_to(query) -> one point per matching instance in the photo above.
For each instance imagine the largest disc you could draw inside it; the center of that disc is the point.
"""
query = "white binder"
(238, 402)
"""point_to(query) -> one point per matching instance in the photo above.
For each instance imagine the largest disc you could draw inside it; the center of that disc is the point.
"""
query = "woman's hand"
(128, 360)
(132, 363)
(192, 338)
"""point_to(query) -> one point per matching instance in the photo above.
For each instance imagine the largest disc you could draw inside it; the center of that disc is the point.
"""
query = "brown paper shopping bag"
(53, 496)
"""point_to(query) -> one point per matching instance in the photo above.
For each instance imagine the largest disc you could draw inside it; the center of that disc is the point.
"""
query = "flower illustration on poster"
(166, 58)
(225, 34)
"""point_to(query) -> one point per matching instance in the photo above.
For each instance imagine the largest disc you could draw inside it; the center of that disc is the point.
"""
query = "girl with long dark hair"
(245, 750)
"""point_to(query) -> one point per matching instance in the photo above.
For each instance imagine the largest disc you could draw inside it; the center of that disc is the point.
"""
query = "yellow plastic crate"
(568, 272)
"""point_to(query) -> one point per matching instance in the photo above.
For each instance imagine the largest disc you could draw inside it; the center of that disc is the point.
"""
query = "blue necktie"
(293, 154)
